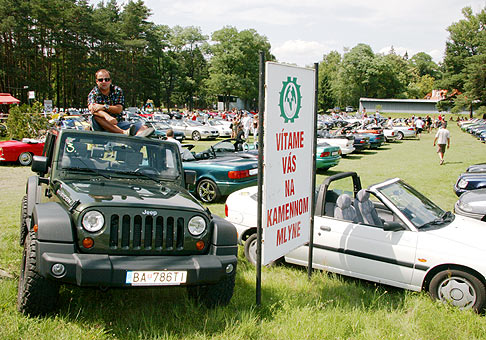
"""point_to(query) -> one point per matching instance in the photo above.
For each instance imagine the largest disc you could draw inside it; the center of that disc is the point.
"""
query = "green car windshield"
(115, 157)
(416, 207)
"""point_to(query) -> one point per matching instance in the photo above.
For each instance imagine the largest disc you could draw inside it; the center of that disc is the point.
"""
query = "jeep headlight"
(93, 221)
(196, 225)
(462, 184)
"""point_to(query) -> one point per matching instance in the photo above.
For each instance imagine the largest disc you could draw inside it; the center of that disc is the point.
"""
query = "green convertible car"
(327, 156)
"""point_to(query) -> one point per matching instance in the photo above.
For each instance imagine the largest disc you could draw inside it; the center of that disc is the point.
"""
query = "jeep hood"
(121, 193)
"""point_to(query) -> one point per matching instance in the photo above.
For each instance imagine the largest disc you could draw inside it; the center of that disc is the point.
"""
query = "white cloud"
(301, 52)
(302, 28)
(437, 55)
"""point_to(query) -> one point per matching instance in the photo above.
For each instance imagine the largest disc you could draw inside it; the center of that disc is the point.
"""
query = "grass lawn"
(293, 307)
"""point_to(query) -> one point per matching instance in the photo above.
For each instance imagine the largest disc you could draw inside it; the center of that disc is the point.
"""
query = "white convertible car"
(345, 143)
(388, 233)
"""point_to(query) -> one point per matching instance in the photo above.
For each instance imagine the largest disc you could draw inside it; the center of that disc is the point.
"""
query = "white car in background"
(388, 233)
(220, 125)
(404, 132)
(390, 134)
(344, 143)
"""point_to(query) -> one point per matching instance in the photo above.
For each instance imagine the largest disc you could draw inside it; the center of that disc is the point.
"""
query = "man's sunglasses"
(105, 79)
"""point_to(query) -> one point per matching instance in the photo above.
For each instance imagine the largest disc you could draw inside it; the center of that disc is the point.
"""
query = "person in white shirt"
(419, 126)
(442, 138)
(247, 122)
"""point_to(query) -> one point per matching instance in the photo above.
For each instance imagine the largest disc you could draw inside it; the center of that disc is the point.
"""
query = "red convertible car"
(22, 151)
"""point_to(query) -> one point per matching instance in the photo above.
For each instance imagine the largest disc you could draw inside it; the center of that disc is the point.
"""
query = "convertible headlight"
(196, 225)
(462, 184)
(465, 207)
(93, 221)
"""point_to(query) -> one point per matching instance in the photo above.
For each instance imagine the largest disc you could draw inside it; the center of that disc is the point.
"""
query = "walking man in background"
(419, 126)
(442, 138)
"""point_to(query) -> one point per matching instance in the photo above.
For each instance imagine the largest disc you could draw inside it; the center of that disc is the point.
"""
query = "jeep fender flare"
(53, 222)
(33, 191)
(224, 232)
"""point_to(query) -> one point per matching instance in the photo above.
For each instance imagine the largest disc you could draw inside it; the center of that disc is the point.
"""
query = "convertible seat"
(366, 208)
(345, 210)
(330, 205)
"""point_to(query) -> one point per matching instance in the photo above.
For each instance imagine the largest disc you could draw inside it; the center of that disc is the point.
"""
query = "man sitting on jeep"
(106, 102)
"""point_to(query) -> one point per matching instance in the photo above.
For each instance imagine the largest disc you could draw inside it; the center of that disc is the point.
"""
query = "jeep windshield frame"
(109, 155)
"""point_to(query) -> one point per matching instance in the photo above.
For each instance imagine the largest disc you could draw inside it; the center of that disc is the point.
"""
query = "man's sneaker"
(147, 132)
(131, 131)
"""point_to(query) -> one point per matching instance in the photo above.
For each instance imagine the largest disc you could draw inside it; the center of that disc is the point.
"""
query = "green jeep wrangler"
(107, 210)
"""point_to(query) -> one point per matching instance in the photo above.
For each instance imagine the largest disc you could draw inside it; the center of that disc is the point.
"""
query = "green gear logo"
(290, 100)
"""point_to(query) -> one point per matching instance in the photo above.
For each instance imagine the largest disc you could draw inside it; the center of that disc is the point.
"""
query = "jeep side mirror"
(190, 177)
(392, 226)
(39, 165)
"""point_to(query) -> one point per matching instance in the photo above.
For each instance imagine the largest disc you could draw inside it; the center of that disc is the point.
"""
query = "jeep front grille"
(159, 233)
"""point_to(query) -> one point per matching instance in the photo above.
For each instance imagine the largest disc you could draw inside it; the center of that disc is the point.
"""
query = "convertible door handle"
(325, 228)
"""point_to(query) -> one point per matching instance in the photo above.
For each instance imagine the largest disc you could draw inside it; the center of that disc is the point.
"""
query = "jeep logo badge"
(149, 212)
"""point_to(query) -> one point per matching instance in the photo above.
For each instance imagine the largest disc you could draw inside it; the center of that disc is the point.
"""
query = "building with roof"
(413, 106)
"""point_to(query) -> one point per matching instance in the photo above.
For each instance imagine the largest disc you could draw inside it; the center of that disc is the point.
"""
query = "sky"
(302, 31)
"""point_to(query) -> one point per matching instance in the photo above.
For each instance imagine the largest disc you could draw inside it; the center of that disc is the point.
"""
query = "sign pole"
(261, 107)
(313, 204)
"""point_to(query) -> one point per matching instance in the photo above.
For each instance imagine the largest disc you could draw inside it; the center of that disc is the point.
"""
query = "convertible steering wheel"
(213, 151)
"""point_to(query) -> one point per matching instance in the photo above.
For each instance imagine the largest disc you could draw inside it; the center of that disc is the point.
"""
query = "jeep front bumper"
(111, 271)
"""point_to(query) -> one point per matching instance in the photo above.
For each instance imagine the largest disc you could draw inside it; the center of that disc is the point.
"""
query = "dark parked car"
(474, 178)
(109, 210)
(231, 147)
(161, 128)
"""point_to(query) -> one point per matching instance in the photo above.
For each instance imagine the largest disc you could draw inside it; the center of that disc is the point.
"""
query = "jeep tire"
(218, 294)
(36, 295)
(23, 221)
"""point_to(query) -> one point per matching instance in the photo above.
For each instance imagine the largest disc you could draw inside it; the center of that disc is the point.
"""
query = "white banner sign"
(288, 140)
(48, 105)
(31, 94)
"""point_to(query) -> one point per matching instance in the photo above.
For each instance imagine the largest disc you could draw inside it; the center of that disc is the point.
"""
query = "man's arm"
(435, 140)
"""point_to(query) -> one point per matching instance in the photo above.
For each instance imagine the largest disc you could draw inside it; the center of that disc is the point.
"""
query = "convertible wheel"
(400, 135)
(25, 158)
(251, 251)
(196, 136)
(207, 191)
(458, 288)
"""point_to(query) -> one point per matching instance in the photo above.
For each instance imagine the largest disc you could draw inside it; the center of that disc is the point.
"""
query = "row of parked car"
(470, 186)
(476, 127)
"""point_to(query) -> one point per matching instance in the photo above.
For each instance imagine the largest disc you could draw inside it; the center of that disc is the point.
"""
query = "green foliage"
(234, 65)
(465, 58)
(26, 121)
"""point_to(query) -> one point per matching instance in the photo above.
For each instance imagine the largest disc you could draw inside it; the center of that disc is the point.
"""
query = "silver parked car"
(194, 130)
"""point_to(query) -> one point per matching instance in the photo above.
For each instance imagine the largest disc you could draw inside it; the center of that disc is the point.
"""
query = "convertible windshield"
(416, 207)
(193, 123)
(118, 157)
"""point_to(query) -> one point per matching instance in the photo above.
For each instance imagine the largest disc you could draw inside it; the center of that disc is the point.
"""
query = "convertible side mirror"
(392, 226)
